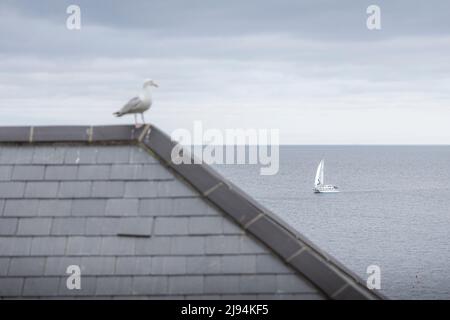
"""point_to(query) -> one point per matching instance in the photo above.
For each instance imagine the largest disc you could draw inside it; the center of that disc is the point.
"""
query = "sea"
(393, 209)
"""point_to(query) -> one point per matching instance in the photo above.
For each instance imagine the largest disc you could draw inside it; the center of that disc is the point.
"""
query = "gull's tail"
(118, 114)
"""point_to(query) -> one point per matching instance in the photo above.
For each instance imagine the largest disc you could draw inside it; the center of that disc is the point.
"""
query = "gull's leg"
(142, 116)
(135, 121)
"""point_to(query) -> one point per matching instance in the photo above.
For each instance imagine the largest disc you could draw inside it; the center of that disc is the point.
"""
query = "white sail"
(319, 174)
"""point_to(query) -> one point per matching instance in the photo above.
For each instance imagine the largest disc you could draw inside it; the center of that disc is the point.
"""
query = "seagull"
(139, 104)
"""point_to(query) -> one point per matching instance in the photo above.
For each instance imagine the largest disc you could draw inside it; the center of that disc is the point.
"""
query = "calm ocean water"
(393, 209)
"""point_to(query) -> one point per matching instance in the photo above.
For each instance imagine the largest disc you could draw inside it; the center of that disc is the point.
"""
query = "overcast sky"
(310, 68)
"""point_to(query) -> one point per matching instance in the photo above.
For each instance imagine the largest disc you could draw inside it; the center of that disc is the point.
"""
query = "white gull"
(139, 104)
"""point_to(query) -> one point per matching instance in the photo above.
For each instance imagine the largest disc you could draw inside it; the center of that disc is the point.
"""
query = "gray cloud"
(293, 65)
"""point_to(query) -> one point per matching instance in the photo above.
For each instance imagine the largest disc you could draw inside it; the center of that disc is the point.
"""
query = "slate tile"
(37, 287)
(85, 246)
(150, 285)
(133, 265)
(4, 265)
(188, 245)
(93, 172)
(205, 225)
(27, 266)
(135, 226)
(171, 226)
(5, 172)
(108, 189)
(109, 286)
(186, 285)
(221, 284)
(20, 208)
(141, 189)
(22, 172)
(153, 246)
(88, 207)
(48, 155)
(293, 283)
(102, 226)
(239, 264)
(54, 208)
(16, 155)
(80, 155)
(11, 287)
(122, 207)
(113, 154)
(41, 189)
(74, 189)
(175, 188)
(222, 244)
(155, 172)
(139, 155)
(48, 246)
(61, 172)
(68, 226)
(118, 246)
(8, 226)
(12, 189)
(125, 171)
(203, 265)
(140, 172)
(156, 207)
(167, 265)
(15, 246)
(258, 283)
(175, 207)
(34, 226)
(98, 265)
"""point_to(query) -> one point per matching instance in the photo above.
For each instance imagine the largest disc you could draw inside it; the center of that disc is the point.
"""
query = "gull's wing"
(133, 103)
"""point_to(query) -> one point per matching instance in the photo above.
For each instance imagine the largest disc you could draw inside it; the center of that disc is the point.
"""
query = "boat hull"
(326, 189)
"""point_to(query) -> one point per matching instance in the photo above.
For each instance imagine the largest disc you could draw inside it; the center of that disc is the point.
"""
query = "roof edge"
(32, 134)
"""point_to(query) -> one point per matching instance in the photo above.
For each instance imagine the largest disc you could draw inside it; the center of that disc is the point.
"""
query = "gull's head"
(149, 83)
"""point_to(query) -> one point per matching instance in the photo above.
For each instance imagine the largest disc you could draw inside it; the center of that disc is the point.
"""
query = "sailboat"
(319, 185)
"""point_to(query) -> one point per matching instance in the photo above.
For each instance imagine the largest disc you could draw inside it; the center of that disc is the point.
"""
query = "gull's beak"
(155, 85)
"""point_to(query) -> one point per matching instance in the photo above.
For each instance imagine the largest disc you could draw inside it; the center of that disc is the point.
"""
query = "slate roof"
(109, 199)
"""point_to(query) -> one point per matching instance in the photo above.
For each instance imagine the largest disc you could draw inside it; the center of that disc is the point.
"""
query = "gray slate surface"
(132, 226)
